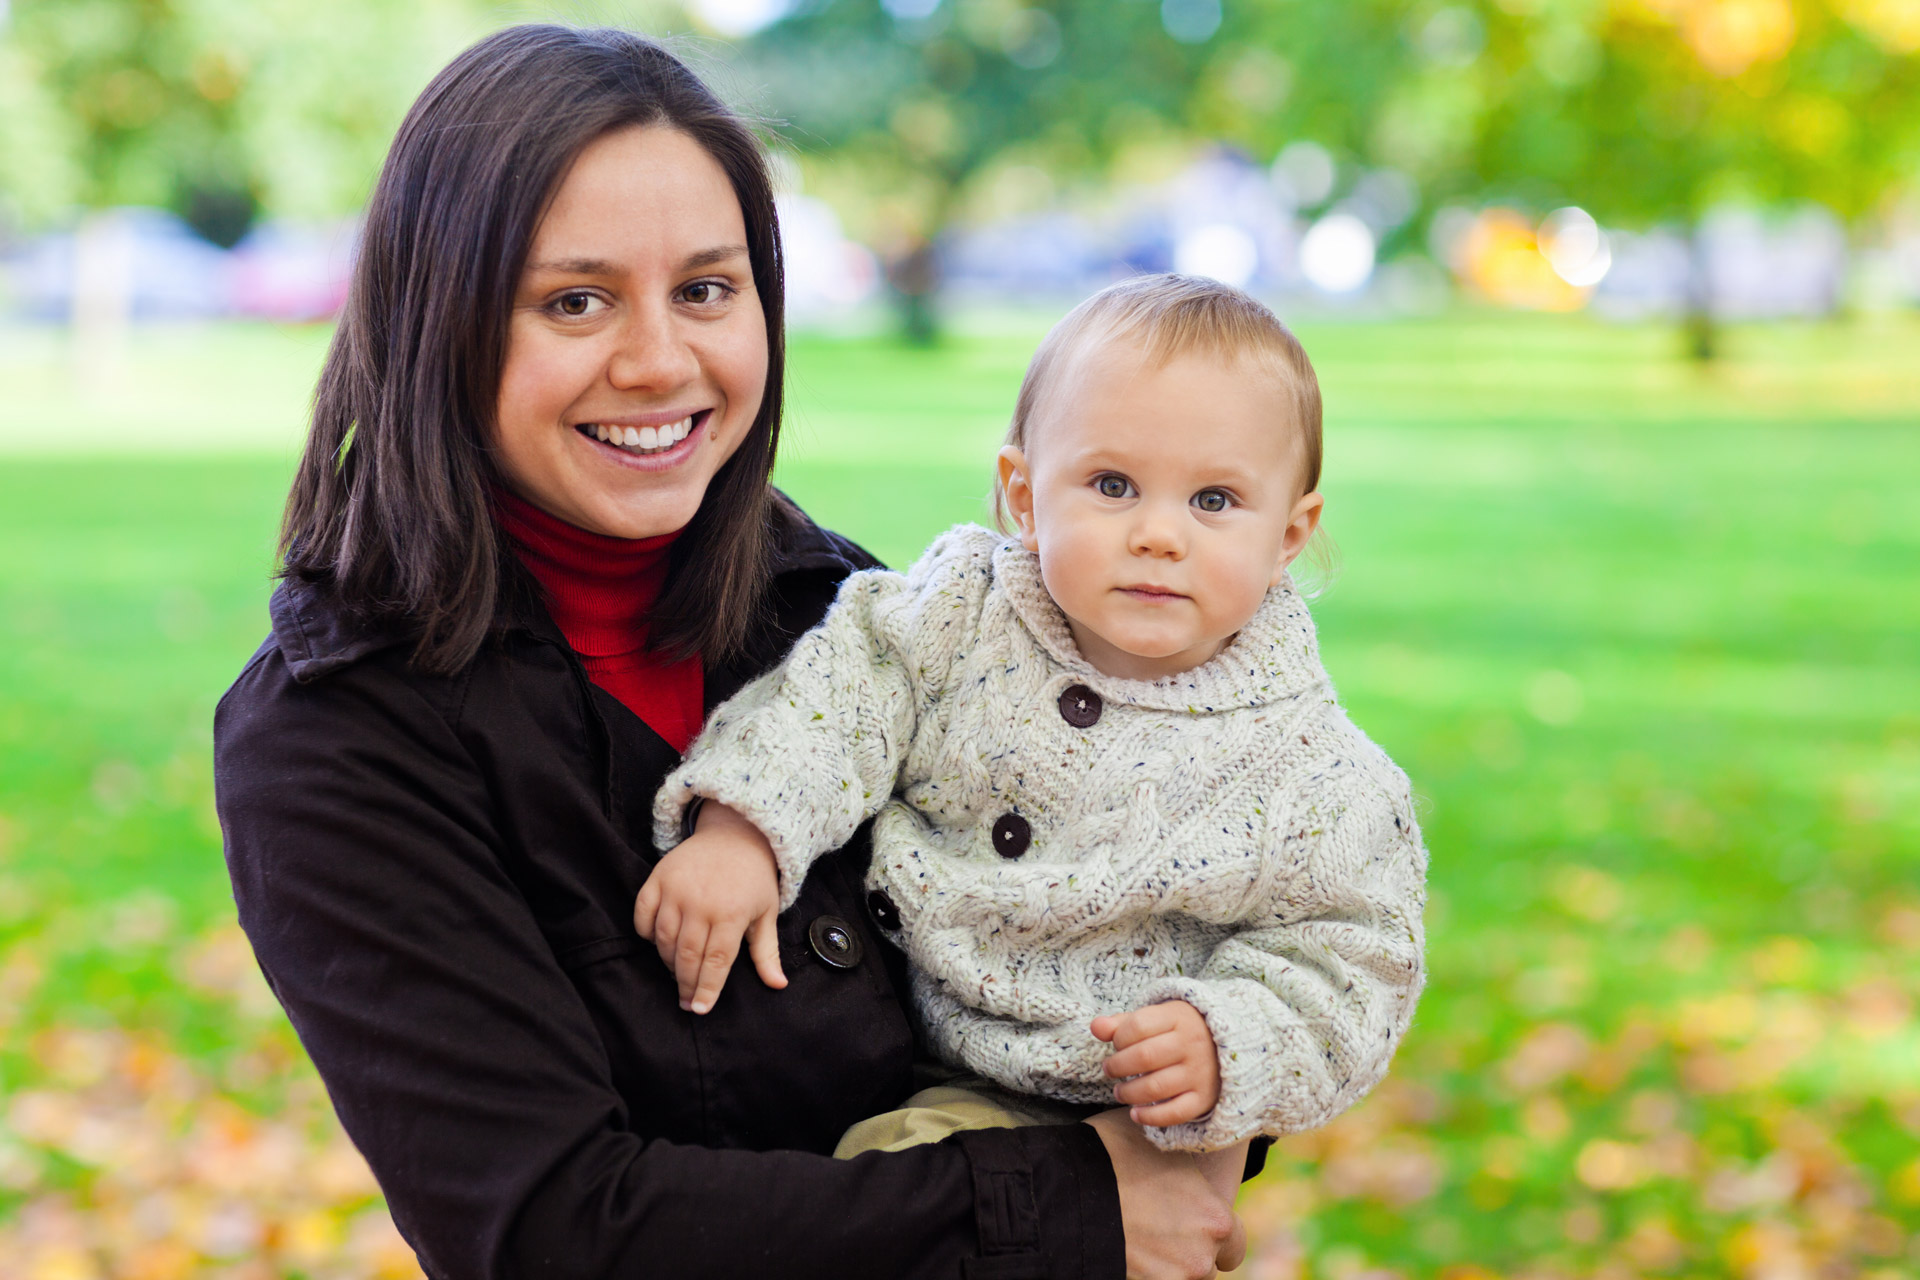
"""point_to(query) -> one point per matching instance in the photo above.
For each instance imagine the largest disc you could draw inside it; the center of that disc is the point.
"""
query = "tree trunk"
(914, 280)
(1700, 326)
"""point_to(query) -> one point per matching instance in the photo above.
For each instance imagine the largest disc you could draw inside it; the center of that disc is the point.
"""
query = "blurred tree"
(905, 107)
(1649, 112)
(910, 114)
(38, 174)
(217, 109)
(1645, 112)
(150, 110)
(1653, 111)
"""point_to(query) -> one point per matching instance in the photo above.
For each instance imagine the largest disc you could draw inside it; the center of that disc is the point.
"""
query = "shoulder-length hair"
(390, 509)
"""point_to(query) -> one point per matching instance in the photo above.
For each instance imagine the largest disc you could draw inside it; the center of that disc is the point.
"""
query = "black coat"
(437, 875)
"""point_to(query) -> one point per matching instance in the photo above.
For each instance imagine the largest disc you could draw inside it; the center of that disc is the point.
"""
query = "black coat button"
(881, 908)
(1080, 706)
(835, 942)
(1011, 835)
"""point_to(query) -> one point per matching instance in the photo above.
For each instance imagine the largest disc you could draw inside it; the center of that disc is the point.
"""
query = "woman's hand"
(1176, 1227)
(717, 885)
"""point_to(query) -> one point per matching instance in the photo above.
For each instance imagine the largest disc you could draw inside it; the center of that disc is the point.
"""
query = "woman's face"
(637, 350)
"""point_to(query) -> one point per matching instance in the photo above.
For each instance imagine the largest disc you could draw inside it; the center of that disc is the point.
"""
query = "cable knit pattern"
(1225, 836)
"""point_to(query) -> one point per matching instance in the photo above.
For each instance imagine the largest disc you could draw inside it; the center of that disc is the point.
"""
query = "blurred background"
(1617, 308)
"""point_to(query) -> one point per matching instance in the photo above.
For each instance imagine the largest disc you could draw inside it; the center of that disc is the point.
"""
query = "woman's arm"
(464, 1064)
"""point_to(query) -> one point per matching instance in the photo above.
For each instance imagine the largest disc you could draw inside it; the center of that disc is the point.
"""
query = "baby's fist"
(718, 885)
(1165, 1057)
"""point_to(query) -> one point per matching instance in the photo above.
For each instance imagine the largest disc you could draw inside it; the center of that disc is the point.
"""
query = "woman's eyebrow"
(711, 257)
(575, 267)
(602, 267)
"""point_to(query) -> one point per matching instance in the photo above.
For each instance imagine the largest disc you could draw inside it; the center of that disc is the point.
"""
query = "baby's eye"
(1212, 501)
(1113, 486)
(576, 303)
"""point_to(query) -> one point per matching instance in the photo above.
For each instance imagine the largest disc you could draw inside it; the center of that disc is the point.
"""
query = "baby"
(1124, 831)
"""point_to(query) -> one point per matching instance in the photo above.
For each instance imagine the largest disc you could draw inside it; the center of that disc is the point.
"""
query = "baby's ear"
(1016, 495)
(1301, 524)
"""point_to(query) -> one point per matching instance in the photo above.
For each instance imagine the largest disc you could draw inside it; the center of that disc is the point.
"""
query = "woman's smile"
(651, 441)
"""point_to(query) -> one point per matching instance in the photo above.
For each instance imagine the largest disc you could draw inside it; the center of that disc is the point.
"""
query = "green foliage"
(922, 105)
(38, 176)
(214, 108)
(1642, 110)
(1653, 111)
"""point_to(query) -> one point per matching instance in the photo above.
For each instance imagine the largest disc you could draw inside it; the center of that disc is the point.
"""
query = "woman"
(531, 541)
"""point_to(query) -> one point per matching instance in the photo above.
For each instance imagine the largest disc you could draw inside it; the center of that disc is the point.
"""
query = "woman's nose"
(652, 354)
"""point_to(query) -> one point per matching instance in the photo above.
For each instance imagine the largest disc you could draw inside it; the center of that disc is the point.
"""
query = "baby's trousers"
(961, 1101)
(964, 1101)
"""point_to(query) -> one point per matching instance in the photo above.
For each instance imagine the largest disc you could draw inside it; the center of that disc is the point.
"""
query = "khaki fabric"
(935, 1114)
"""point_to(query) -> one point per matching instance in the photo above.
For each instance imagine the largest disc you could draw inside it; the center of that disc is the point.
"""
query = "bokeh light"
(1304, 172)
(1336, 254)
(1190, 21)
(741, 17)
(1220, 250)
(1576, 247)
(1498, 254)
(1731, 36)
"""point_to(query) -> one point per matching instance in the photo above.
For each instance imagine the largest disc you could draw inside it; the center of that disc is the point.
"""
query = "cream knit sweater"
(1224, 836)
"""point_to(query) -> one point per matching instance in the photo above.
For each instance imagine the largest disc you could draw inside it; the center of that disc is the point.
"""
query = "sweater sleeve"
(1311, 994)
(464, 1064)
(813, 748)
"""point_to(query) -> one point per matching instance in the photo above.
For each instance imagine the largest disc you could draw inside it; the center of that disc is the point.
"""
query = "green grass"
(1647, 639)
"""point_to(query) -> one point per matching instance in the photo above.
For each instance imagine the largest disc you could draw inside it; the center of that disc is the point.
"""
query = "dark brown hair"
(1170, 316)
(390, 508)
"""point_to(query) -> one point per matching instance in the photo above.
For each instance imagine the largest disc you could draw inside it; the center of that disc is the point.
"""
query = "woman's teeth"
(641, 439)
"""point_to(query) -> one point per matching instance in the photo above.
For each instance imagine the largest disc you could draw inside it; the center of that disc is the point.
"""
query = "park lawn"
(1646, 638)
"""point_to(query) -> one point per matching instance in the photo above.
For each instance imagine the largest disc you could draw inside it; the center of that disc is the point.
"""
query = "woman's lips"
(653, 448)
(642, 434)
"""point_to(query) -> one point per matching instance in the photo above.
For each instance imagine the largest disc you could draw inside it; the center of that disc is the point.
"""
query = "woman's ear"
(1016, 491)
(1301, 523)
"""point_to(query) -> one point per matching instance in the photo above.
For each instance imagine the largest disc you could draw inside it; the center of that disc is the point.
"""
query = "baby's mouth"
(645, 440)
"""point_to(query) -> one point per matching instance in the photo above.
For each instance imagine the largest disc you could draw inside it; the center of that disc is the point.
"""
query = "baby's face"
(1162, 502)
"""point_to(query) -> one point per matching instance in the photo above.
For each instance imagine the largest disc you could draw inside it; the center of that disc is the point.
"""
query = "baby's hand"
(1167, 1056)
(720, 883)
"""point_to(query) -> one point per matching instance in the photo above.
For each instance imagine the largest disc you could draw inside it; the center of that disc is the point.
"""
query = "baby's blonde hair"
(1171, 316)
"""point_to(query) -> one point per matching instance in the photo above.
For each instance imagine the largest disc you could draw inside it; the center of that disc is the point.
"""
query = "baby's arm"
(717, 885)
(805, 753)
(1308, 999)
(795, 761)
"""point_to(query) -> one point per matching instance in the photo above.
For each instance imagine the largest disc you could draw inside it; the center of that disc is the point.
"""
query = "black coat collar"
(317, 637)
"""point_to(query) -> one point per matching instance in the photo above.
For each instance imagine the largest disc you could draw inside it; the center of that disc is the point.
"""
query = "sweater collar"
(1273, 658)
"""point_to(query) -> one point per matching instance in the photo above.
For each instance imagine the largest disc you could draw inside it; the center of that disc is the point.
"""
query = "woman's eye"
(701, 292)
(575, 305)
(1113, 487)
(1212, 501)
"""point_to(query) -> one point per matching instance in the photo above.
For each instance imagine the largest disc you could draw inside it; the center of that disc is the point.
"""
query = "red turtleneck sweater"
(600, 590)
